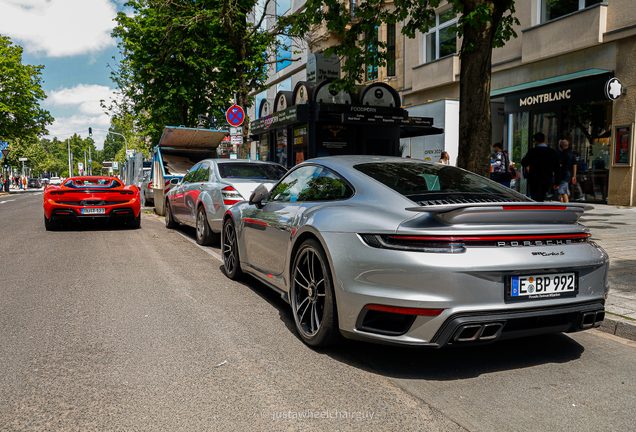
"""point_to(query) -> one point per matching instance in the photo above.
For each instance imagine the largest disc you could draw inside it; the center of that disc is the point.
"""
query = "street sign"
(5, 152)
(235, 115)
(23, 159)
(80, 166)
(237, 139)
(130, 154)
(115, 165)
(236, 131)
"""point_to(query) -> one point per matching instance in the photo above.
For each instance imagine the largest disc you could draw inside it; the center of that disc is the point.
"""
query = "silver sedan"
(210, 188)
(407, 252)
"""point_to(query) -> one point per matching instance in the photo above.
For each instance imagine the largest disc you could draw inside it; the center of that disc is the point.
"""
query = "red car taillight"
(231, 196)
(150, 185)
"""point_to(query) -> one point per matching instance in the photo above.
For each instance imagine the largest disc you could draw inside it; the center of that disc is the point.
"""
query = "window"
(352, 7)
(372, 49)
(553, 9)
(251, 171)
(311, 183)
(390, 49)
(285, 85)
(257, 102)
(441, 40)
(202, 174)
(282, 6)
(259, 11)
(283, 52)
(189, 177)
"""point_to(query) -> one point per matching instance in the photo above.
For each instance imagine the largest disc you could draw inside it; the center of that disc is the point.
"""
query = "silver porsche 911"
(408, 252)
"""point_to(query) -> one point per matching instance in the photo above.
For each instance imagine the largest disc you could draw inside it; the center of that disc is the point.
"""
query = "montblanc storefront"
(576, 107)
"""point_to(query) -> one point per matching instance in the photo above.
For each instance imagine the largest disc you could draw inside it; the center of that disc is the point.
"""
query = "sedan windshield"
(429, 182)
(251, 171)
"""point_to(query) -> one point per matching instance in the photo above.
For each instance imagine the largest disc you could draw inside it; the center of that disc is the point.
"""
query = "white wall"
(445, 114)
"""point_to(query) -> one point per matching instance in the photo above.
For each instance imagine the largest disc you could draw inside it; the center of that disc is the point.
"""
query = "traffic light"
(90, 132)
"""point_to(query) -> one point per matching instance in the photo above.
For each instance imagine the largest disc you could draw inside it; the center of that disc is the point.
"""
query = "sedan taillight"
(150, 185)
(231, 196)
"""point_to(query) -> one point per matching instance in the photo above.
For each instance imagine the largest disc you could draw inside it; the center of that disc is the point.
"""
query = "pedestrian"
(444, 158)
(500, 167)
(568, 170)
(24, 182)
(542, 164)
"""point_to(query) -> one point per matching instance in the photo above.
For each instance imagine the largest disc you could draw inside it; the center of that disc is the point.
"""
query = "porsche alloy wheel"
(311, 295)
(229, 250)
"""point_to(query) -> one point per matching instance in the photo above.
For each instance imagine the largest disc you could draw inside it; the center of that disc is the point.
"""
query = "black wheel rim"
(229, 247)
(309, 291)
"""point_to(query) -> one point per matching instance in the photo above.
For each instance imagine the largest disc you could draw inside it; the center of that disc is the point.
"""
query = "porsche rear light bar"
(231, 196)
(458, 244)
(404, 310)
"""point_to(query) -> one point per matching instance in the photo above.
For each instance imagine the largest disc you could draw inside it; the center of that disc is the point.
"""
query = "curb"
(619, 326)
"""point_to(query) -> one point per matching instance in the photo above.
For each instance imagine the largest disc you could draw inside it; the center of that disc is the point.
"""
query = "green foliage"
(417, 17)
(20, 95)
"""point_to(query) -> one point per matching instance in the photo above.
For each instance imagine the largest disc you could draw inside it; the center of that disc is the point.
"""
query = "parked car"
(210, 188)
(91, 197)
(146, 190)
(403, 251)
(55, 181)
(33, 183)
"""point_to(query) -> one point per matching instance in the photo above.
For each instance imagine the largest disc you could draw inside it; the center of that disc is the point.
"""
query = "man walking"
(568, 170)
(542, 164)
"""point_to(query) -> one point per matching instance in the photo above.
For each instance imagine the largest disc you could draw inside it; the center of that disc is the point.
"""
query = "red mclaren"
(80, 199)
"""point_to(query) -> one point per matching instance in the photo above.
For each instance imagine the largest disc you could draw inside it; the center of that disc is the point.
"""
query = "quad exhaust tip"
(591, 320)
(478, 332)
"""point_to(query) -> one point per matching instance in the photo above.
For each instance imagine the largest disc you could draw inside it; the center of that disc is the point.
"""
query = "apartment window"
(257, 101)
(372, 49)
(282, 6)
(553, 9)
(283, 52)
(441, 40)
(352, 7)
(259, 11)
(285, 85)
(390, 49)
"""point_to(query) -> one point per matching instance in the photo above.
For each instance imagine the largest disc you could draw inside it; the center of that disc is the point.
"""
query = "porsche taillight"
(231, 196)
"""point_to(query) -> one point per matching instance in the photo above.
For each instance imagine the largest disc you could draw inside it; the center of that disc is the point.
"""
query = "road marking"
(214, 254)
(206, 250)
(2, 202)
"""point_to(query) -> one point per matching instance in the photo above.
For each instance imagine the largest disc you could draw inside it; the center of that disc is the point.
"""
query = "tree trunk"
(475, 126)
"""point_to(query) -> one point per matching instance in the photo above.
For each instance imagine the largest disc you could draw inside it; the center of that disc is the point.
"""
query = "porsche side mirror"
(259, 195)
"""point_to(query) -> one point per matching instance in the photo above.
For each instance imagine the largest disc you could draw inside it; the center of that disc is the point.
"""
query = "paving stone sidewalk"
(614, 229)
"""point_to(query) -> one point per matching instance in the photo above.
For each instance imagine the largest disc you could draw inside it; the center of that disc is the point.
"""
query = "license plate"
(93, 210)
(542, 286)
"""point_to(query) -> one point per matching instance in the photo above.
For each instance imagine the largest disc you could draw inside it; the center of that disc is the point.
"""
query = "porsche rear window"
(251, 171)
(420, 181)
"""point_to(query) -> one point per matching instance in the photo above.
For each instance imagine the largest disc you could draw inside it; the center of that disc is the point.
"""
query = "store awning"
(548, 81)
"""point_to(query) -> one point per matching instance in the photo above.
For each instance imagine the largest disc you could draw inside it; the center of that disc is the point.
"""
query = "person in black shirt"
(542, 164)
(568, 170)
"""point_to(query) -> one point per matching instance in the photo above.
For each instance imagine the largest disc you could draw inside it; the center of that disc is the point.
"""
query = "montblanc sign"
(546, 97)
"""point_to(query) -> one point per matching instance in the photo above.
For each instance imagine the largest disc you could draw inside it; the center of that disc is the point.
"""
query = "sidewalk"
(614, 229)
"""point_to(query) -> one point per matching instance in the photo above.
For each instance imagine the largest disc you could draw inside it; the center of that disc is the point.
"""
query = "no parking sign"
(235, 115)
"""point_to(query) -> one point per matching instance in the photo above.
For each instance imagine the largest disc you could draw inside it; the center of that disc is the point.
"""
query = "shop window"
(553, 9)
(283, 54)
(372, 49)
(390, 49)
(441, 40)
(282, 6)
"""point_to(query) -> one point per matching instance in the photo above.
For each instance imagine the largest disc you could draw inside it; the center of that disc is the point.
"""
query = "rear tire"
(204, 234)
(229, 251)
(136, 223)
(311, 296)
(170, 223)
(48, 224)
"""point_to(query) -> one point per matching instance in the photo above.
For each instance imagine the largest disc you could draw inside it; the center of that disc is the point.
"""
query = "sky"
(71, 38)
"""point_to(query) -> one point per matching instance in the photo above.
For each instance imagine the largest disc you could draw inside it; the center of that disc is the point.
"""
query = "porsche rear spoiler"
(515, 212)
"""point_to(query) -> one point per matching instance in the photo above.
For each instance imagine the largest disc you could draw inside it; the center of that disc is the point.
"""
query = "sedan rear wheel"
(311, 295)
(170, 223)
(229, 251)
(204, 234)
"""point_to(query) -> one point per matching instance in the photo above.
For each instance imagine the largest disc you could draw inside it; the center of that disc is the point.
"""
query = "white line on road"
(2, 202)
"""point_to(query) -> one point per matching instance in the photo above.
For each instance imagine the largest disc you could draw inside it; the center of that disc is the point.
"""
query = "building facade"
(557, 77)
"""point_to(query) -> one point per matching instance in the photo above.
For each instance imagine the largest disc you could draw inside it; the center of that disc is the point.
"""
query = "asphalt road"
(114, 329)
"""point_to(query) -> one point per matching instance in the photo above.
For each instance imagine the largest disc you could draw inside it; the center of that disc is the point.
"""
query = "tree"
(20, 95)
(483, 24)
(185, 59)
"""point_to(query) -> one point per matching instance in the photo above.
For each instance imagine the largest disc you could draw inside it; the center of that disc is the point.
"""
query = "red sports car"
(92, 197)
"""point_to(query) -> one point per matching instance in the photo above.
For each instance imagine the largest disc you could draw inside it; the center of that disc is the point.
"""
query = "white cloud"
(84, 100)
(59, 28)
(85, 97)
